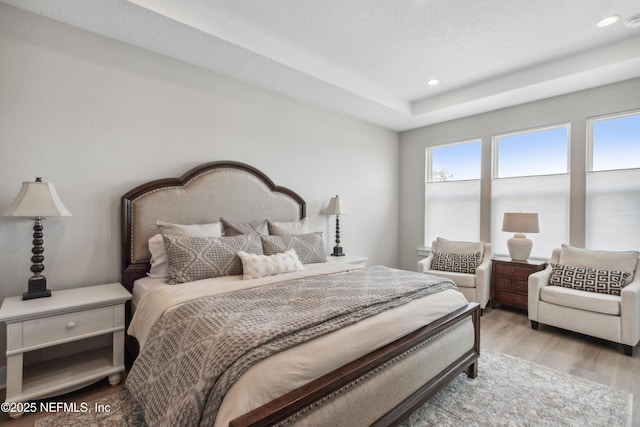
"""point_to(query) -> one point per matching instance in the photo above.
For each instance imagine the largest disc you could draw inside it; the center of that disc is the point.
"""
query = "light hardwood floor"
(506, 330)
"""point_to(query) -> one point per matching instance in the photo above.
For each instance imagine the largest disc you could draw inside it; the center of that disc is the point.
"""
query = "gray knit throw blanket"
(195, 352)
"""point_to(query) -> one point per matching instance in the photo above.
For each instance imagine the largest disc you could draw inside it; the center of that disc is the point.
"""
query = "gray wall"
(98, 117)
(573, 108)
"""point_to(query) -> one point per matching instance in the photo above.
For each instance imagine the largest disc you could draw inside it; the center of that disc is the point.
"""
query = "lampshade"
(520, 222)
(37, 199)
(336, 207)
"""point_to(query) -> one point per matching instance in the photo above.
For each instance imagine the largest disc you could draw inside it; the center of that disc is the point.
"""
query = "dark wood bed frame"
(291, 403)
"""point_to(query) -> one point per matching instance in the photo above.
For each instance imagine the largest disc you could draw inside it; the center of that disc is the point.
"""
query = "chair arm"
(424, 264)
(483, 282)
(630, 312)
(536, 282)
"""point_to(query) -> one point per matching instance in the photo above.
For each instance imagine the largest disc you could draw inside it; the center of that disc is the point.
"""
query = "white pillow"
(255, 266)
(159, 261)
(287, 228)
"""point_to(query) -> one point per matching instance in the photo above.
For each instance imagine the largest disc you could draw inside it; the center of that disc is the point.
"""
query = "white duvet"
(297, 366)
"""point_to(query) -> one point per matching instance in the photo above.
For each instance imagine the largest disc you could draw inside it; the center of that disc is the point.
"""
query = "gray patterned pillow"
(309, 247)
(199, 257)
(456, 263)
(237, 228)
(588, 279)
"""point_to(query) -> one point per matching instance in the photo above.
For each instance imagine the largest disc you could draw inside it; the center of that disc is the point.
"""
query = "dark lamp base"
(37, 289)
(337, 251)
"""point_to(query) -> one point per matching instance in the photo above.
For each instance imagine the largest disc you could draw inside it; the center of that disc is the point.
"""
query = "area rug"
(507, 392)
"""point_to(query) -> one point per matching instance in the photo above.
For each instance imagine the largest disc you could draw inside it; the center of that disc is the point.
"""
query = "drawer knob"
(71, 325)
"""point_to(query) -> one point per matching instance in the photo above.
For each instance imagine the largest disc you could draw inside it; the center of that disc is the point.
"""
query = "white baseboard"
(3, 377)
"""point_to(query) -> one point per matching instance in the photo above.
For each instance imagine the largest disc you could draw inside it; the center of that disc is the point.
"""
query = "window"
(614, 143)
(613, 182)
(455, 162)
(531, 174)
(533, 153)
(452, 195)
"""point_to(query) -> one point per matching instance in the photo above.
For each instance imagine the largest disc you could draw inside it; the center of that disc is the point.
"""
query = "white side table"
(45, 355)
(349, 259)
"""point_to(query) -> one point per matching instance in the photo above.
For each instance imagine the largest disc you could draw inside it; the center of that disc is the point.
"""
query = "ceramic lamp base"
(519, 247)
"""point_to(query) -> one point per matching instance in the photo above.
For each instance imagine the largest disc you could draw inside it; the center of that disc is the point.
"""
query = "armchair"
(603, 315)
(476, 287)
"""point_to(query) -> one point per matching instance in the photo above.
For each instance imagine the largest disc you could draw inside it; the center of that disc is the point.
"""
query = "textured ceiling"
(371, 59)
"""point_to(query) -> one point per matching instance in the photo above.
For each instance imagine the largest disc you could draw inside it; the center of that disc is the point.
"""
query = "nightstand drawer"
(514, 300)
(503, 284)
(512, 271)
(63, 326)
(521, 287)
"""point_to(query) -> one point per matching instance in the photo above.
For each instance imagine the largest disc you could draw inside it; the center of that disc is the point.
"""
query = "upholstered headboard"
(228, 189)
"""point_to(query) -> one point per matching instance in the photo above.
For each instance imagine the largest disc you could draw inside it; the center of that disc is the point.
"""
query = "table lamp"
(519, 245)
(337, 208)
(37, 200)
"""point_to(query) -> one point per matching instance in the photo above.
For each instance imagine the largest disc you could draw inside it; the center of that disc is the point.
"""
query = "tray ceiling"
(372, 59)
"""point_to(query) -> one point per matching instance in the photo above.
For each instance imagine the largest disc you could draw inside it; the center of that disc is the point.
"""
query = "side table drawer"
(515, 272)
(514, 300)
(63, 326)
(503, 284)
(521, 287)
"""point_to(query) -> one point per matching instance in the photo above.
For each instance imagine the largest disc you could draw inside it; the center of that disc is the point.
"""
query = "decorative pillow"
(238, 228)
(456, 263)
(309, 247)
(254, 266)
(600, 260)
(198, 257)
(286, 228)
(588, 279)
(159, 264)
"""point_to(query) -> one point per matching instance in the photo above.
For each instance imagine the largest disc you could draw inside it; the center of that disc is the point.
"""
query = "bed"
(373, 369)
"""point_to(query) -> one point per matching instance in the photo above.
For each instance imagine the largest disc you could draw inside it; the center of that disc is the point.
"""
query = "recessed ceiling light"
(633, 22)
(433, 82)
(605, 22)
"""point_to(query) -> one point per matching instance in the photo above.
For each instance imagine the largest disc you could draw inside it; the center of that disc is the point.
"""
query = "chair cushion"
(460, 279)
(582, 300)
(625, 261)
(456, 247)
(455, 262)
(588, 279)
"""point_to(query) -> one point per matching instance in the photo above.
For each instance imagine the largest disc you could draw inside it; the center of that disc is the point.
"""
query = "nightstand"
(65, 342)
(510, 281)
(349, 259)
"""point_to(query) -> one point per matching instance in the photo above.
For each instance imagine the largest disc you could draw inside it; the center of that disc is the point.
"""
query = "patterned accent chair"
(591, 292)
(467, 264)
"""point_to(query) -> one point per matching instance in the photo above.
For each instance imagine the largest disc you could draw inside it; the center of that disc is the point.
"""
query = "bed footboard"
(293, 407)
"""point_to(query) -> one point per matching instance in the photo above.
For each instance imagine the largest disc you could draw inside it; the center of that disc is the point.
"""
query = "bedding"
(413, 349)
(386, 327)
